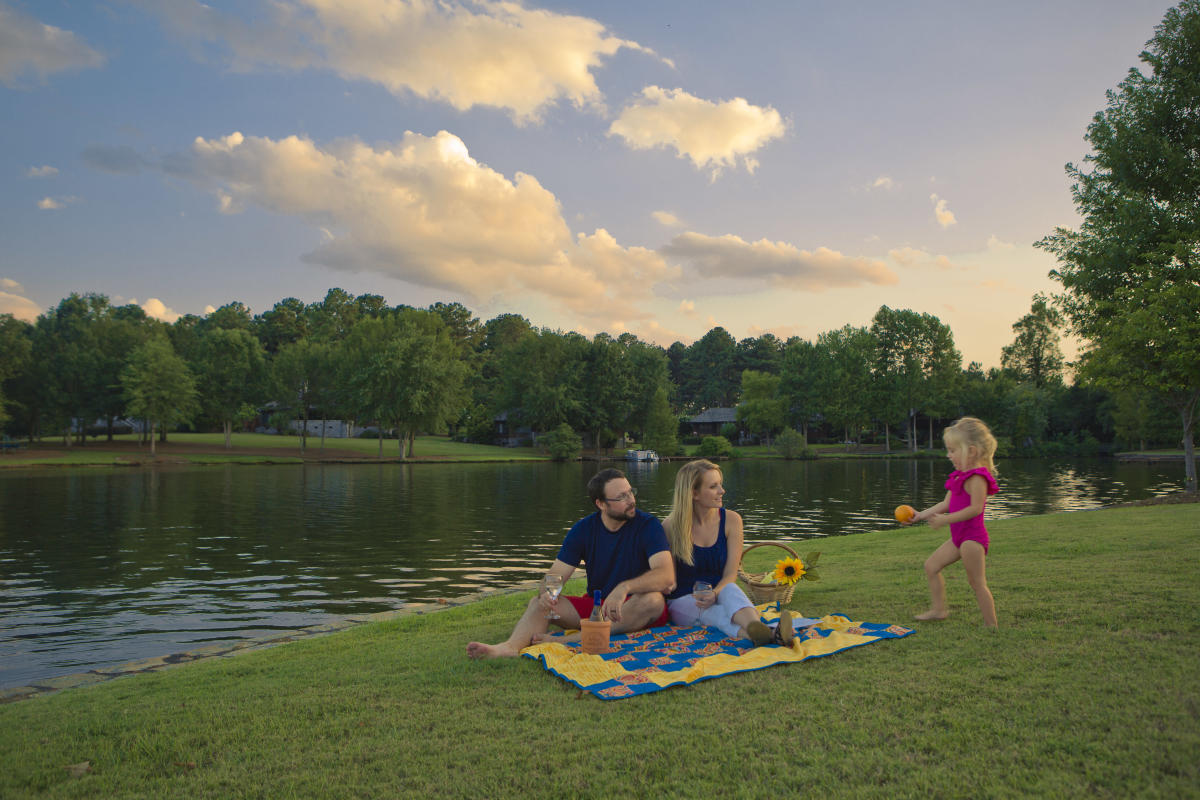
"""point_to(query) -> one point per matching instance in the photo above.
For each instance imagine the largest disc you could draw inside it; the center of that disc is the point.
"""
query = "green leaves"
(1131, 273)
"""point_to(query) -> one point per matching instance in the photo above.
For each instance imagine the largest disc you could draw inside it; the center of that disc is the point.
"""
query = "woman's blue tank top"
(709, 566)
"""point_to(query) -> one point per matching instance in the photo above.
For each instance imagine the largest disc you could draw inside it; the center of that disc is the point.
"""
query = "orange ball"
(905, 513)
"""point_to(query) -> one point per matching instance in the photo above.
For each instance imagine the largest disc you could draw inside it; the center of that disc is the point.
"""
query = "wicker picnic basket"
(759, 590)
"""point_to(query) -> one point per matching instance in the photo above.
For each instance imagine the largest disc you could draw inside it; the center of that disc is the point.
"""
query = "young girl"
(970, 447)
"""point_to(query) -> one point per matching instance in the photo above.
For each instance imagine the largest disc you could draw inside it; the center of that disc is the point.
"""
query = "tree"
(540, 380)
(232, 369)
(285, 324)
(158, 386)
(916, 367)
(762, 409)
(792, 445)
(661, 431)
(710, 376)
(762, 354)
(1131, 273)
(563, 443)
(844, 379)
(798, 382)
(16, 347)
(302, 372)
(404, 372)
(1035, 356)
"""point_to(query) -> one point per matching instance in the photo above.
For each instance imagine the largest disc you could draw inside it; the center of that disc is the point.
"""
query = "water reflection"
(101, 567)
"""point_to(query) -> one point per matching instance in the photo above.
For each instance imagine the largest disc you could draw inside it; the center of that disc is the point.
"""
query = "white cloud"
(908, 256)
(711, 134)
(423, 211)
(687, 308)
(31, 48)
(55, 203)
(883, 182)
(945, 217)
(209, 309)
(465, 54)
(13, 301)
(995, 245)
(41, 172)
(666, 218)
(158, 309)
(775, 263)
(912, 257)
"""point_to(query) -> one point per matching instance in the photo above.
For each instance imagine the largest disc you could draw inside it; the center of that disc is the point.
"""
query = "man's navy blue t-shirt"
(612, 557)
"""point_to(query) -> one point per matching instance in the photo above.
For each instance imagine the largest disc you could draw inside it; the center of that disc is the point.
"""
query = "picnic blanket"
(650, 660)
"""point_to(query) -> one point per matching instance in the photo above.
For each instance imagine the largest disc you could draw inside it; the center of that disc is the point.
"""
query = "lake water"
(100, 567)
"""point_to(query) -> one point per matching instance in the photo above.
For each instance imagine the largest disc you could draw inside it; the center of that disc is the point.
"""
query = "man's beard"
(623, 516)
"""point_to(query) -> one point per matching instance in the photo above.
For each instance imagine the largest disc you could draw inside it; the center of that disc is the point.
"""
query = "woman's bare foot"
(932, 616)
(481, 650)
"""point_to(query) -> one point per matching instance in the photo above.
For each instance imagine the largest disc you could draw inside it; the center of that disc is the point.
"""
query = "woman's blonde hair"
(678, 523)
(972, 432)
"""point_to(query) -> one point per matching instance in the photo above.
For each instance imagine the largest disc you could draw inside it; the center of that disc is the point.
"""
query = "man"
(628, 561)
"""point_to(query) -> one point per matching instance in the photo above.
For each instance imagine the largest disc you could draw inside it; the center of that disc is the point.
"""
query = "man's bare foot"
(481, 650)
(932, 616)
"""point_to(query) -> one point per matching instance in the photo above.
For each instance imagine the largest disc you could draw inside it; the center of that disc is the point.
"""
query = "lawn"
(1088, 689)
(209, 448)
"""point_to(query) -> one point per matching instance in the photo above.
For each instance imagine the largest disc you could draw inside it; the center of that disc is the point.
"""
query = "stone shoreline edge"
(230, 649)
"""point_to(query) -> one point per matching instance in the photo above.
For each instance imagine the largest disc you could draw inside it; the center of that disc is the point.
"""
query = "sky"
(661, 168)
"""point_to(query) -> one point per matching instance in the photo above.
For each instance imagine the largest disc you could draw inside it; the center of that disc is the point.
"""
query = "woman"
(703, 535)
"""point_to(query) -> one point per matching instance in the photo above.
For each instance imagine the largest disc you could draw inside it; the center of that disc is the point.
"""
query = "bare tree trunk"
(324, 424)
(412, 441)
(1188, 415)
(152, 450)
(887, 438)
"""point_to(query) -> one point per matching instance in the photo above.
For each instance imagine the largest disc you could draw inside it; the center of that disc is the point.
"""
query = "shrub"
(563, 443)
(792, 444)
(729, 430)
(715, 447)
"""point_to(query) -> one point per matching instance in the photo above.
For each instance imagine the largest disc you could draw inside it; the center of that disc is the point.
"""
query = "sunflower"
(788, 571)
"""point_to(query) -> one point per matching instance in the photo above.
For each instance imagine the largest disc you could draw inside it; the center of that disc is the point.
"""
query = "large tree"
(158, 385)
(1034, 356)
(1131, 273)
(232, 371)
(763, 408)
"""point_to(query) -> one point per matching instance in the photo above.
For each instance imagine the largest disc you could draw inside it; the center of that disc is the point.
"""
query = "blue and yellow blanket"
(646, 661)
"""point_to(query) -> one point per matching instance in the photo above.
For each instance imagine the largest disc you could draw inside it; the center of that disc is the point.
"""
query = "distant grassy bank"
(251, 448)
(1089, 689)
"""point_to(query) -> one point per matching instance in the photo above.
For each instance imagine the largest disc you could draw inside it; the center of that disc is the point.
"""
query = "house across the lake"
(710, 421)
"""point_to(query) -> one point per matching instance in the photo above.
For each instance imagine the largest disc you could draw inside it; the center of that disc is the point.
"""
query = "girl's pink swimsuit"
(969, 529)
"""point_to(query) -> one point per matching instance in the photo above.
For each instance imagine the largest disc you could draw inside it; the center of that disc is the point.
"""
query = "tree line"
(442, 370)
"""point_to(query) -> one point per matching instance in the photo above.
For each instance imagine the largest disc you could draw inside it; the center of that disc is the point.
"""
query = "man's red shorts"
(583, 606)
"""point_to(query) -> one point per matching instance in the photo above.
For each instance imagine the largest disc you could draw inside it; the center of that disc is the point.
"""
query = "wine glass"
(553, 586)
(703, 590)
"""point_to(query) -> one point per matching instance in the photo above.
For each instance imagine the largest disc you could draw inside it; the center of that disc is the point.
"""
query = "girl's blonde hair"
(972, 432)
(678, 523)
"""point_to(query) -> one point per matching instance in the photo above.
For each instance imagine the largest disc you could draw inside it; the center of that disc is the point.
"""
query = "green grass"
(1088, 689)
(249, 447)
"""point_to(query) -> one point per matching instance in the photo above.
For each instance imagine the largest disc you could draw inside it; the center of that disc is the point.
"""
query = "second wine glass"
(553, 586)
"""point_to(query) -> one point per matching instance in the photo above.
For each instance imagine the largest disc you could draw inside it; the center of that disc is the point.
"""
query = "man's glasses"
(622, 498)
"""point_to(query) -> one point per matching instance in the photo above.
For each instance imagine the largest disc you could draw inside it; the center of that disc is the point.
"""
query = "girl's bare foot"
(929, 616)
